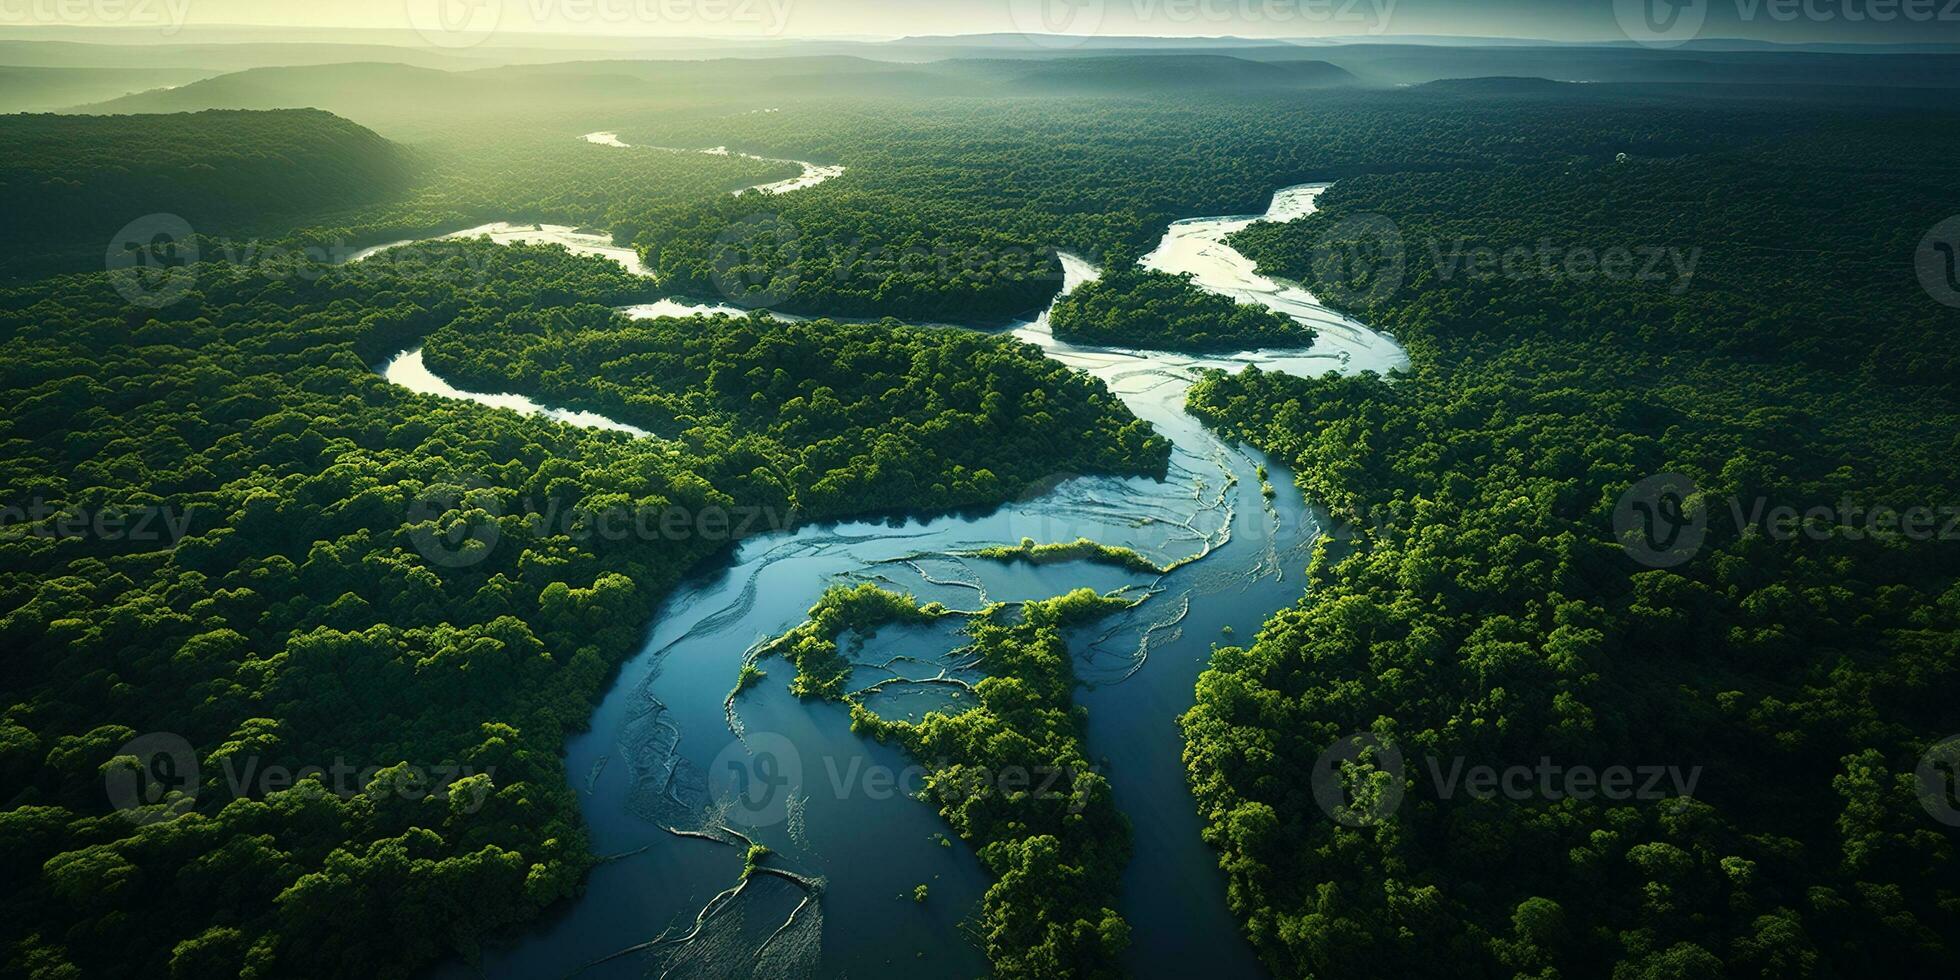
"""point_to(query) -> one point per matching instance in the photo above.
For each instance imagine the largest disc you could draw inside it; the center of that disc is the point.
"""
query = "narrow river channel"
(660, 746)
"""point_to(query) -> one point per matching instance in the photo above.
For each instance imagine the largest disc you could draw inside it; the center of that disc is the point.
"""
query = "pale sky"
(1788, 20)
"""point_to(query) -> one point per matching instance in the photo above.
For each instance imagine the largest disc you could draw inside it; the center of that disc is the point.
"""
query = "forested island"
(1140, 308)
(311, 611)
(226, 526)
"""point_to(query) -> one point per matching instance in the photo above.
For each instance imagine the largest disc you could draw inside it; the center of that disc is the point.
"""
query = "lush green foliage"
(73, 182)
(526, 174)
(949, 208)
(1483, 610)
(284, 186)
(1081, 549)
(364, 576)
(1010, 774)
(817, 418)
(1013, 779)
(821, 667)
(1141, 308)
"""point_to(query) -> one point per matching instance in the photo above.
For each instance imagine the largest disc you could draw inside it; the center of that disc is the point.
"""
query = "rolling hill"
(75, 181)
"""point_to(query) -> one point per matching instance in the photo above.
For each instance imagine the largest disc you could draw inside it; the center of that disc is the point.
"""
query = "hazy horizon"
(447, 23)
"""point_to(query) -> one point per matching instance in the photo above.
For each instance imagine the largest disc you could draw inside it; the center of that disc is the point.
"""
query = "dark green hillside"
(406, 102)
(74, 182)
(37, 89)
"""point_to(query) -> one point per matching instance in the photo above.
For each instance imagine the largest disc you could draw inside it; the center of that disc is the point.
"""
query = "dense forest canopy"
(832, 418)
(343, 570)
(1011, 775)
(1482, 608)
(1140, 308)
(74, 183)
(334, 568)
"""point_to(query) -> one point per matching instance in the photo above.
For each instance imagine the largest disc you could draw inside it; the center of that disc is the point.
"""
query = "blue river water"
(663, 754)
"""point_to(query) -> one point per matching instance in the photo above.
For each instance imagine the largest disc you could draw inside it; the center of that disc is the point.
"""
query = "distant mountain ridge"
(397, 99)
(74, 182)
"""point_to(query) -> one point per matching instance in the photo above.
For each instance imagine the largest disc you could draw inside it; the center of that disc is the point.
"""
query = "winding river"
(661, 752)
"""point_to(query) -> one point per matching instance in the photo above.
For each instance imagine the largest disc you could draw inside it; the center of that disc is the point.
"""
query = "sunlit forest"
(973, 504)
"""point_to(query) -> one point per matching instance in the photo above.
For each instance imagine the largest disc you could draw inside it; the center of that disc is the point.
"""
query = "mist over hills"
(45, 89)
(73, 181)
(399, 98)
